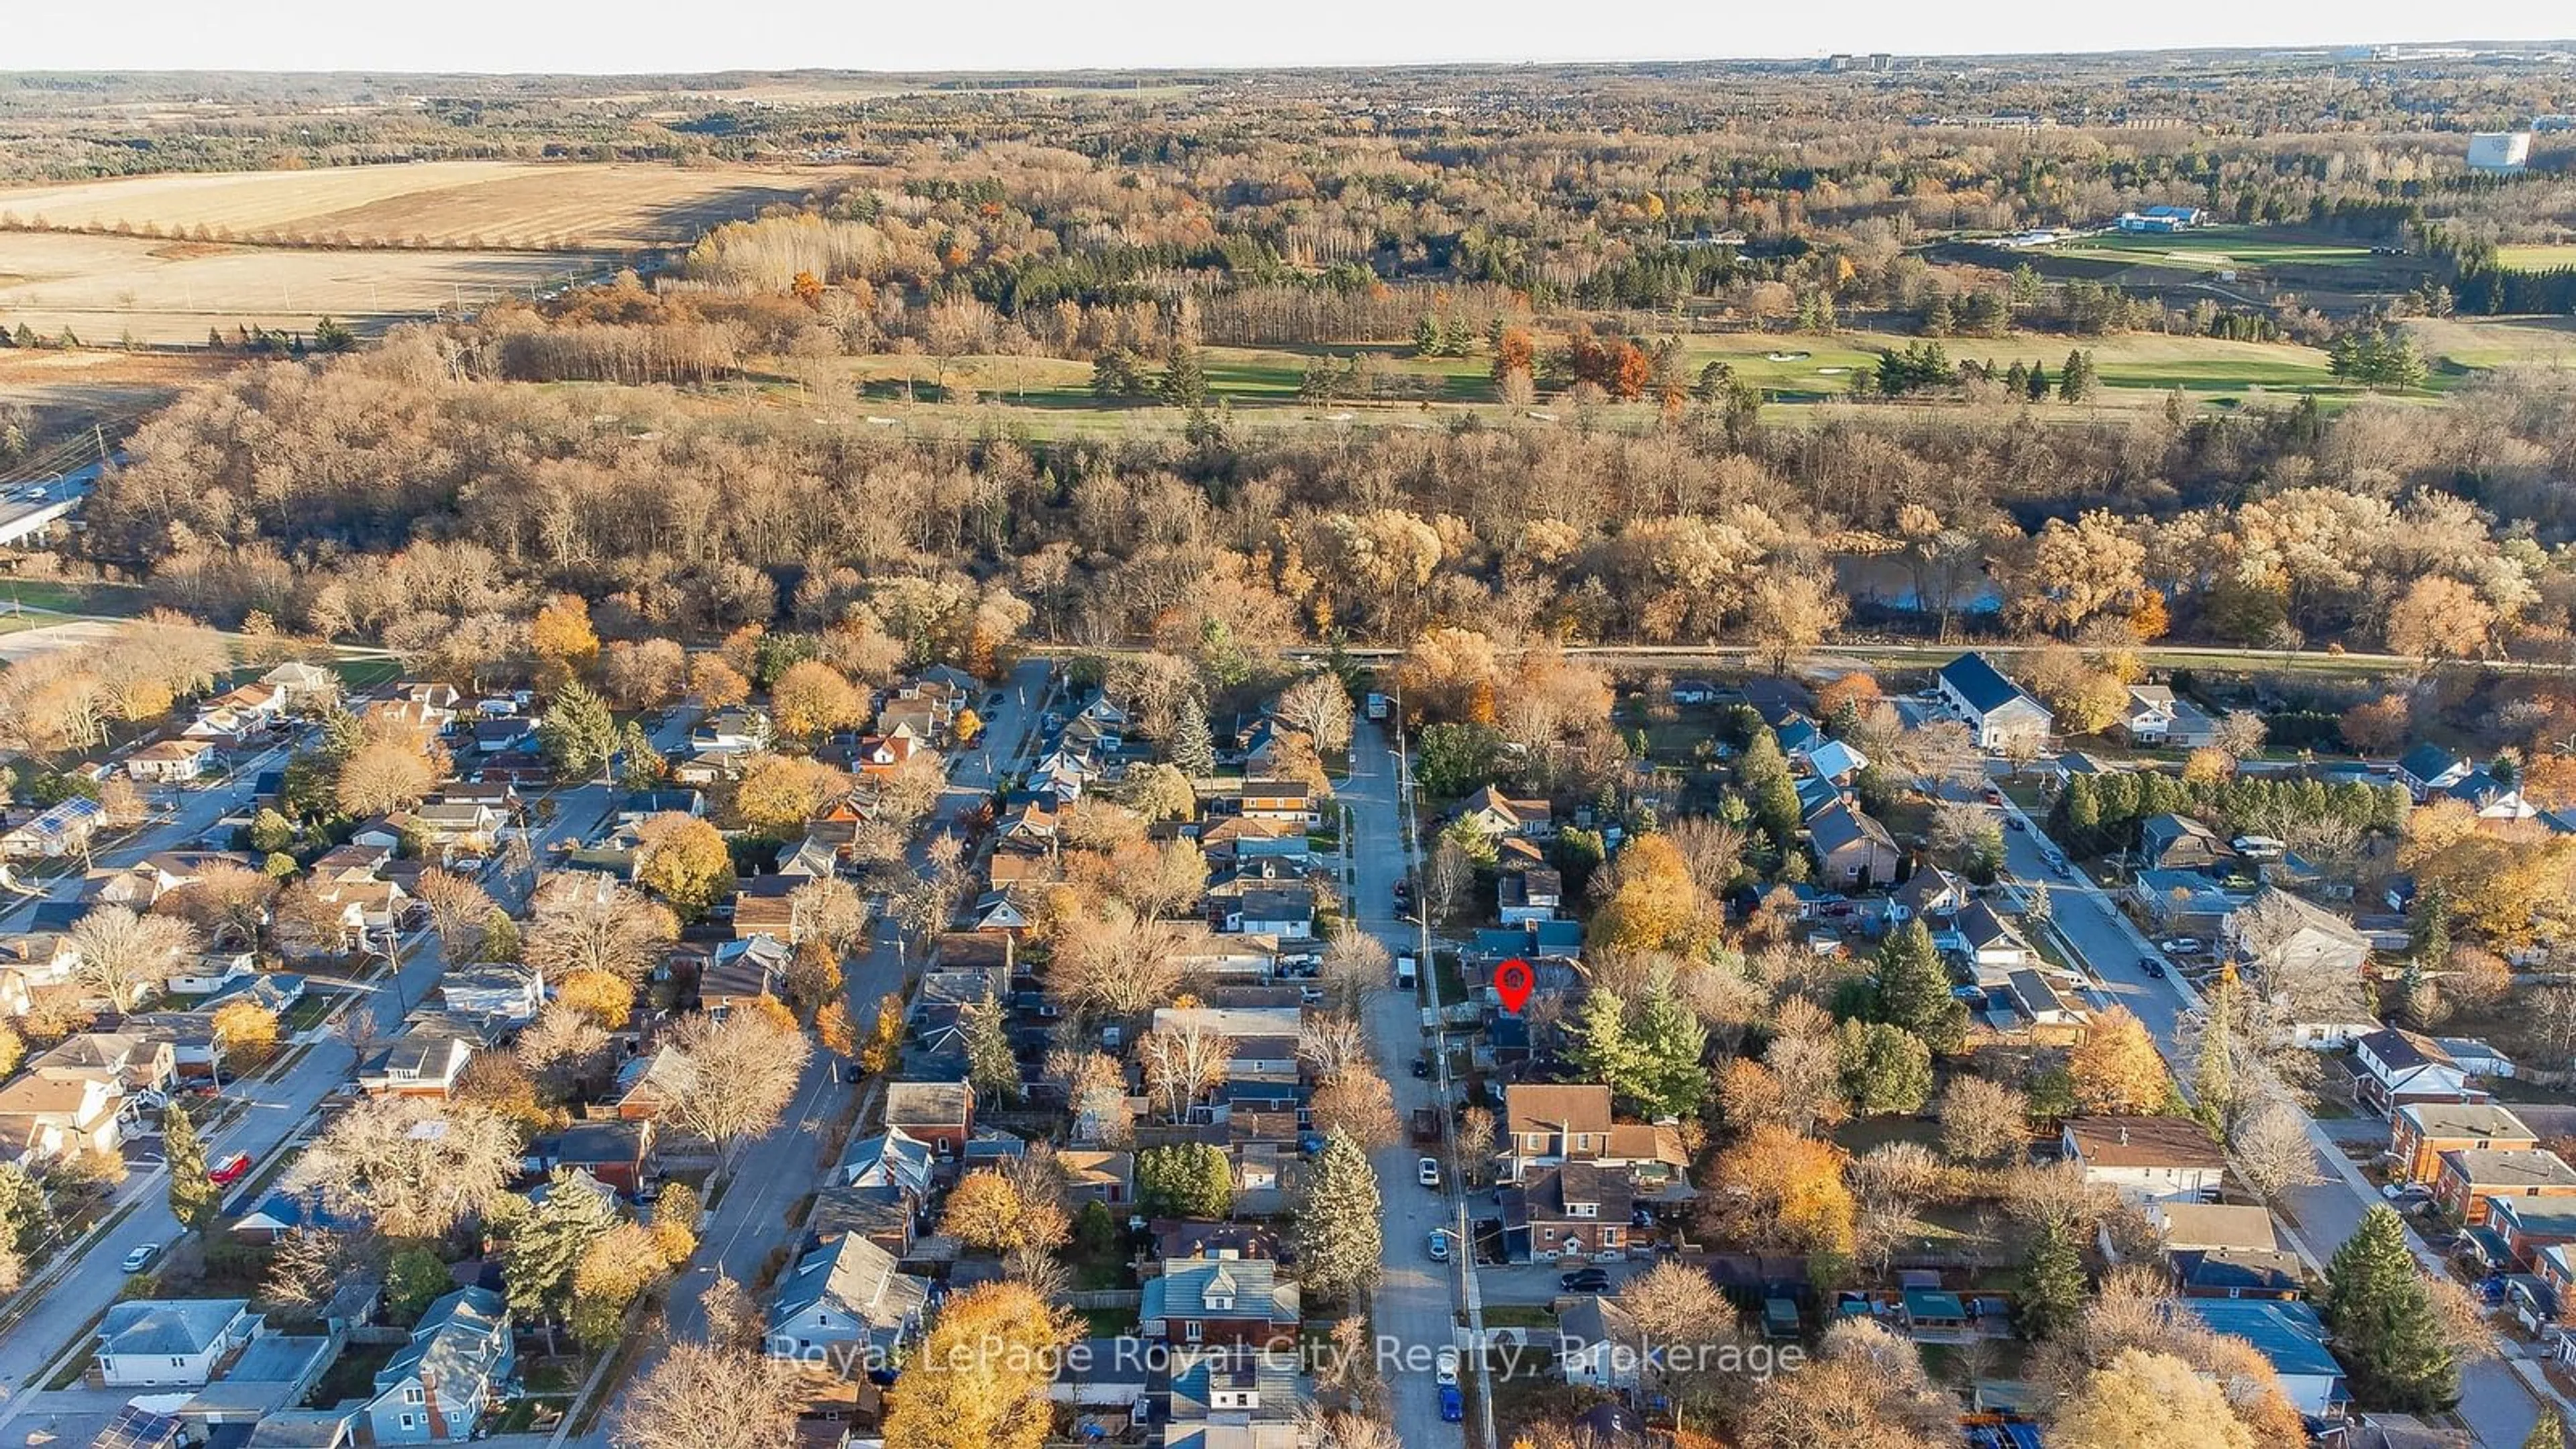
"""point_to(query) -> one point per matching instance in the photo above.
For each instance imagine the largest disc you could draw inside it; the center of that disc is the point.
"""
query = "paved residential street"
(2494, 1401)
(1417, 1299)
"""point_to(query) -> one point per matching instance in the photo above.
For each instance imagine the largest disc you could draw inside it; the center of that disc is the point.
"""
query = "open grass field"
(465, 205)
(110, 288)
(2485, 342)
(2537, 258)
(2220, 248)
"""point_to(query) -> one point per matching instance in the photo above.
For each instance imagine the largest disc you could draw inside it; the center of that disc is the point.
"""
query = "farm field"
(108, 288)
(463, 205)
(2537, 258)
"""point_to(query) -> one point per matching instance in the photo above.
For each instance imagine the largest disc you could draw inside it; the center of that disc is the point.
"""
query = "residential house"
(2490, 797)
(1096, 1175)
(2469, 1178)
(846, 1298)
(1285, 911)
(1992, 945)
(1852, 849)
(184, 1341)
(2394, 1067)
(2051, 1001)
(2420, 1132)
(765, 905)
(737, 972)
(275, 1371)
(303, 686)
(440, 1387)
(616, 1153)
(2155, 717)
(446, 829)
(1497, 814)
(1528, 895)
(2224, 1251)
(2290, 1337)
(731, 732)
(416, 1064)
(171, 762)
(55, 832)
(2178, 842)
(1547, 1125)
(2427, 770)
(649, 1084)
(1597, 1344)
(46, 1118)
(283, 1212)
(1233, 1398)
(1101, 1374)
(1006, 909)
(941, 1114)
(2185, 903)
(2289, 939)
(892, 1158)
(1220, 1300)
(1997, 711)
(2529, 1224)
(1930, 894)
(637, 806)
(1572, 1210)
(2153, 1159)
(1288, 800)
(1832, 759)
(513, 994)
(889, 1217)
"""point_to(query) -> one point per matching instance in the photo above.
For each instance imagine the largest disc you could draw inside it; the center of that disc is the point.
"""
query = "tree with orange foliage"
(563, 640)
(716, 683)
(2149, 619)
(1514, 352)
(1859, 689)
(1630, 371)
(811, 700)
(808, 289)
(2116, 1067)
(1776, 1191)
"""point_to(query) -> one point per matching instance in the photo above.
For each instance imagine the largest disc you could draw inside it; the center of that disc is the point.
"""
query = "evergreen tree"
(1116, 376)
(578, 734)
(194, 1197)
(1340, 1248)
(2052, 1282)
(1190, 1180)
(1938, 318)
(1184, 382)
(2038, 384)
(2018, 378)
(2213, 1076)
(2076, 383)
(1602, 1049)
(2384, 1325)
(990, 1064)
(1193, 743)
(1914, 990)
(1669, 1078)
(1885, 1068)
(546, 1246)
(643, 767)
(2432, 925)
(1426, 337)
(2549, 1433)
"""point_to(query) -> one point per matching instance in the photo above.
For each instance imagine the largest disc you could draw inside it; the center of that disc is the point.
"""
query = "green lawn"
(112, 600)
(2220, 248)
(2537, 257)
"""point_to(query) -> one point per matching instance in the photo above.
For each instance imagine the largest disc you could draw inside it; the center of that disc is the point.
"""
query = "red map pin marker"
(1512, 982)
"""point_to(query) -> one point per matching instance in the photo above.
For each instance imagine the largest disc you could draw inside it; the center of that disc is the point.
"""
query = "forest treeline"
(396, 495)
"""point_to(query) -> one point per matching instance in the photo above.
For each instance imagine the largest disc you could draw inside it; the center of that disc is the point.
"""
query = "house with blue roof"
(439, 1387)
(2429, 769)
(1998, 712)
(2290, 1336)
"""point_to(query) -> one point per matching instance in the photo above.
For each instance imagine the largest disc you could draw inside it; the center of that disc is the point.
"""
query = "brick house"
(2469, 1179)
(2422, 1131)
(1573, 1210)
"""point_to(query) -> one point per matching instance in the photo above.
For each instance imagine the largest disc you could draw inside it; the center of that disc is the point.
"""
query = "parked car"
(2180, 946)
(1438, 1245)
(1422, 1068)
(1427, 1171)
(1445, 1366)
(1584, 1280)
(2152, 966)
(229, 1171)
(141, 1255)
(1453, 1405)
(2012, 822)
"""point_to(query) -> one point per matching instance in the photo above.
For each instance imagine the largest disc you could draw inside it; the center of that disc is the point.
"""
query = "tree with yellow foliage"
(683, 860)
(562, 639)
(715, 683)
(246, 1034)
(1653, 904)
(2145, 1400)
(811, 699)
(2116, 1068)
(981, 1378)
(779, 793)
(602, 996)
(1776, 1191)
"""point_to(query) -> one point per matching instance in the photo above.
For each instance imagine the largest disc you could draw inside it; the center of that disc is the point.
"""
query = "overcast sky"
(660, 35)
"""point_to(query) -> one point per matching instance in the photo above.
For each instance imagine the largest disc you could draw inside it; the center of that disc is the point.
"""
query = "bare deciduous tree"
(413, 1167)
(579, 922)
(708, 1397)
(1355, 964)
(459, 910)
(1117, 962)
(1181, 1061)
(1357, 1102)
(743, 1070)
(2270, 1149)
(126, 957)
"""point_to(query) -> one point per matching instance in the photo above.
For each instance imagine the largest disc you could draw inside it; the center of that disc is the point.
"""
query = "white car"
(1446, 1370)
(2180, 946)
(142, 1254)
(1427, 1171)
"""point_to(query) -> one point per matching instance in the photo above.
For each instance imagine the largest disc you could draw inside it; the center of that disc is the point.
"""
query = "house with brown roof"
(2422, 1131)
(1571, 1210)
(1498, 814)
(1288, 800)
(171, 762)
(1548, 1124)
(939, 1113)
(2469, 1179)
(2151, 1159)
(1095, 1175)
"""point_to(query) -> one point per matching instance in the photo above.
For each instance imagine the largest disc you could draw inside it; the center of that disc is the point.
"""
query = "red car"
(230, 1170)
